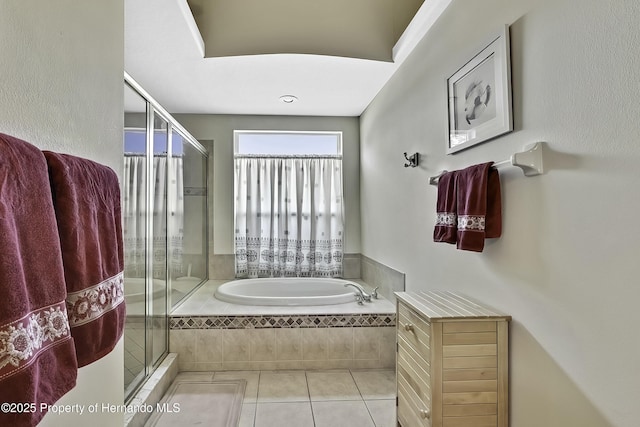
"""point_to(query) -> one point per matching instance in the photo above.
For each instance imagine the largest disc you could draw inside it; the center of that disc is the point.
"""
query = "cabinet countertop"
(446, 305)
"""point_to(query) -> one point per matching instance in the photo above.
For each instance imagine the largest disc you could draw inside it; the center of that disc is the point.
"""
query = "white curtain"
(134, 212)
(168, 215)
(289, 216)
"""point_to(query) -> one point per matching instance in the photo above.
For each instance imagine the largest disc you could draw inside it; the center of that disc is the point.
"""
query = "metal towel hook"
(413, 160)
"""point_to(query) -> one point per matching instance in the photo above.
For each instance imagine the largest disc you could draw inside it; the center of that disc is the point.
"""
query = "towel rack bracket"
(530, 160)
(434, 179)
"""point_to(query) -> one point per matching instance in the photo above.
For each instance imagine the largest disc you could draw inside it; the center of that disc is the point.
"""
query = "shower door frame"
(153, 108)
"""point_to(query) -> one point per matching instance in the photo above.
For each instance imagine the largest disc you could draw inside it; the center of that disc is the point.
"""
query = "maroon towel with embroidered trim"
(446, 211)
(86, 197)
(479, 206)
(37, 357)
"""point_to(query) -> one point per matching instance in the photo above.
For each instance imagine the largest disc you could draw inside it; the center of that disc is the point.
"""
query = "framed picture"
(479, 96)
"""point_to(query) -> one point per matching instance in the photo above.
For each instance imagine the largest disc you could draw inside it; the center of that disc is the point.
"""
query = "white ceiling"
(164, 53)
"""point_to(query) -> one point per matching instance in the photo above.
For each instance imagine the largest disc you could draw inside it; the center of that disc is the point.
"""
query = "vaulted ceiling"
(365, 29)
(242, 56)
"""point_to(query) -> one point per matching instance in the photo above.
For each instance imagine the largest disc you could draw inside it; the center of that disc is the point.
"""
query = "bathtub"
(286, 291)
(135, 291)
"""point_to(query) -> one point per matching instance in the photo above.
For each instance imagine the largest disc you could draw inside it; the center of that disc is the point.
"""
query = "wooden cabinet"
(452, 361)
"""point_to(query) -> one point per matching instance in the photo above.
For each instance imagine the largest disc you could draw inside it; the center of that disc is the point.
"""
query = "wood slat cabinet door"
(452, 362)
(413, 368)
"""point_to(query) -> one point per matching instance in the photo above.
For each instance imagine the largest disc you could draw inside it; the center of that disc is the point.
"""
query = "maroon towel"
(86, 197)
(479, 206)
(37, 357)
(446, 211)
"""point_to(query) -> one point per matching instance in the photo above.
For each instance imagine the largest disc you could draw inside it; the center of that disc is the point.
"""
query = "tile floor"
(330, 398)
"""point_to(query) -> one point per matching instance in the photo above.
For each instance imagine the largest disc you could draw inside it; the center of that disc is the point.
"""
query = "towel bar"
(530, 161)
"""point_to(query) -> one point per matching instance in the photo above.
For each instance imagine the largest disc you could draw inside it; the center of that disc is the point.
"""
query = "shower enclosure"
(164, 202)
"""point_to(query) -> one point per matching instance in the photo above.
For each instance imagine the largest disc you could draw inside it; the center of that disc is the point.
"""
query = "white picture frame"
(479, 96)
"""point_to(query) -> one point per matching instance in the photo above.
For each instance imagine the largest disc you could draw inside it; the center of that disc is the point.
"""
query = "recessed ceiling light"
(288, 99)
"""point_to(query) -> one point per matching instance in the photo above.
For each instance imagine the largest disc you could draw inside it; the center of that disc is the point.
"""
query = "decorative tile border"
(293, 321)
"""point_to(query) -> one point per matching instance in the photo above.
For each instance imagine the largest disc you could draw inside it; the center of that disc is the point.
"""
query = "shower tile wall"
(352, 266)
(221, 267)
(195, 196)
(389, 280)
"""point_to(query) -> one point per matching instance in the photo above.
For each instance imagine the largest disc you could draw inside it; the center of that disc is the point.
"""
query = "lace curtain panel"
(289, 217)
(168, 230)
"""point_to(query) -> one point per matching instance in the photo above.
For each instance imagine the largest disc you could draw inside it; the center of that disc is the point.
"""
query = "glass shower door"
(160, 234)
(134, 207)
(189, 261)
(159, 154)
(146, 190)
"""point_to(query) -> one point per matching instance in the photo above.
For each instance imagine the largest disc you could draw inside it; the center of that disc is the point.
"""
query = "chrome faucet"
(361, 295)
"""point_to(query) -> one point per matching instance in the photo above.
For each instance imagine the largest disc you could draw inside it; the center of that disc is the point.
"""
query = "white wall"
(61, 88)
(219, 128)
(566, 265)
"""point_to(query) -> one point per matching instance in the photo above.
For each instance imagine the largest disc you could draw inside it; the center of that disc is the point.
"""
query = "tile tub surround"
(241, 337)
(388, 279)
(203, 303)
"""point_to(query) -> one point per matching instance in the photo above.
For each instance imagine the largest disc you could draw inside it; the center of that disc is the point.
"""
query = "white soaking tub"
(287, 291)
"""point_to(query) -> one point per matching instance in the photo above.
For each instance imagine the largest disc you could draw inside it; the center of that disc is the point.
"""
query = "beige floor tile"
(283, 386)
(383, 412)
(376, 384)
(200, 403)
(341, 414)
(332, 385)
(292, 414)
(195, 376)
(247, 415)
(251, 377)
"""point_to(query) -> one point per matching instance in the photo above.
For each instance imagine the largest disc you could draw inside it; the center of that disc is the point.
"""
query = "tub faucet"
(361, 295)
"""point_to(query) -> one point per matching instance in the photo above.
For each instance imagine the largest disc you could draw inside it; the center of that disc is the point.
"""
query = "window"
(273, 143)
(289, 215)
